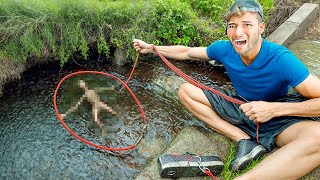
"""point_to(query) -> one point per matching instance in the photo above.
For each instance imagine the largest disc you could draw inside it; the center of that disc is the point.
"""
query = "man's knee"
(315, 136)
(184, 91)
(311, 137)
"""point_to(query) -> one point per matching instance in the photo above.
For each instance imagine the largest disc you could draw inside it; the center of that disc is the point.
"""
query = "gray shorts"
(267, 131)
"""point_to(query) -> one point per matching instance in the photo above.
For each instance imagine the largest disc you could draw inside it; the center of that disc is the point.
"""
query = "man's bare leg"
(298, 155)
(197, 103)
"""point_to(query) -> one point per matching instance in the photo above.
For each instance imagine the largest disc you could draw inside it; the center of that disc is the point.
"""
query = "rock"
(192, 139)
(120, 57)
(167, 85)
(151, 147)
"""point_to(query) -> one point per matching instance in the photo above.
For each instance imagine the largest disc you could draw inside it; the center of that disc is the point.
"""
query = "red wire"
(209, 173)
(202, 86)
(175, 69)
(257, 132)
(190, 157)
(134, 67)
(74, 134)
(195, 82)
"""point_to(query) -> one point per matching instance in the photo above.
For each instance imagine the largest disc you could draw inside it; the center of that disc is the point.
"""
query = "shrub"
(31, 29)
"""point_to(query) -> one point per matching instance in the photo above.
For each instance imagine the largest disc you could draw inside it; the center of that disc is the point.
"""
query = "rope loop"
(89, 142)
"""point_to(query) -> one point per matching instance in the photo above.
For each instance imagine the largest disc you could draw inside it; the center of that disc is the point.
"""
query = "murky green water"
(34, 145)
(309, 53)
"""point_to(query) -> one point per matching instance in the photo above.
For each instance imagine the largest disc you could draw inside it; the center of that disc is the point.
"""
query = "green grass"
(33, 30)
(227, 174)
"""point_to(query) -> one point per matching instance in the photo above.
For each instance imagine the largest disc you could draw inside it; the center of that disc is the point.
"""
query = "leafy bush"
(33, 30)
(212, 9)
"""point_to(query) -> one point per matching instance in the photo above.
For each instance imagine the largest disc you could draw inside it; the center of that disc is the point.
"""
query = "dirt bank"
(10, 71)
(313, 32)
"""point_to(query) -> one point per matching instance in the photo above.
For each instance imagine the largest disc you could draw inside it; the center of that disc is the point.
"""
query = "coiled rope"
(89, 142)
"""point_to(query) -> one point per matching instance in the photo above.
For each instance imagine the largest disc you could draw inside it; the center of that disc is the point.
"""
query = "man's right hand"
(142, 46)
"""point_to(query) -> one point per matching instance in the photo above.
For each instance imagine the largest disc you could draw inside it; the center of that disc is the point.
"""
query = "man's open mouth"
(240, 42)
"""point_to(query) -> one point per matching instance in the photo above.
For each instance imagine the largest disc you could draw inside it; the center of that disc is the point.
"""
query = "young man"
(262, 73)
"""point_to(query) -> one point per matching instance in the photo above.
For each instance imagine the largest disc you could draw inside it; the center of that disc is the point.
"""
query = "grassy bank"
(33, 30)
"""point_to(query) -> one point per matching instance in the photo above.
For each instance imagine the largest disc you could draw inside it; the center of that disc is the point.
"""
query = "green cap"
(247, 5)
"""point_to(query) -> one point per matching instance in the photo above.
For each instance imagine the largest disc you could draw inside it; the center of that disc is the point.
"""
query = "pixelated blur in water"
(35, 145)
(95, 108)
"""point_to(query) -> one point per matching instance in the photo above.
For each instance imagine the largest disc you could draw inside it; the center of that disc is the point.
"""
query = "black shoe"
(247, 151)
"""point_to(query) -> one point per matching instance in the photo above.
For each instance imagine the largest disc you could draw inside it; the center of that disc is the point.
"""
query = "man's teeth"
(240, 41)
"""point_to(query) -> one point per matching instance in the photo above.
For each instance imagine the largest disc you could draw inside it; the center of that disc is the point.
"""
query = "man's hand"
(142, 46)
(260, 111)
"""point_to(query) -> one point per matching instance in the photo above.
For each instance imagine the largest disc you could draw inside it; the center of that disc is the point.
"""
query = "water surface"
(35, 145)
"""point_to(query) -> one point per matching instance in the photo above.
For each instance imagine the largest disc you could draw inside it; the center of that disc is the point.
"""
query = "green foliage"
(174, 25)
(212, 9)
(226, 173)
(267, 6)
(103, 48)
(32, 29)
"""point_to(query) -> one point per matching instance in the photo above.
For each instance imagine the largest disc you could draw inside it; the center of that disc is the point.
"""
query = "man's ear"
(261, 27)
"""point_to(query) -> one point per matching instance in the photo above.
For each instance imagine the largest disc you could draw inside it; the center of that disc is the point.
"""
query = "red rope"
(209, 173)
(171, 66)
(195, 82)
(202, 86)
(257, 132)
(84, 140)
(190, 157)
(134, 67)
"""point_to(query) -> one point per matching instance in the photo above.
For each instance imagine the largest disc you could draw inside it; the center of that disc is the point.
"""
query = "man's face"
(244, 32)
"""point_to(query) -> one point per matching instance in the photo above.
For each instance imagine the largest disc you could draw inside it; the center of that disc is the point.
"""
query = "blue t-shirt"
(268, 77)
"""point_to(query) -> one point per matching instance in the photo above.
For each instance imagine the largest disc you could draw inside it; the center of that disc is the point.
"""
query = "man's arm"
(261, 111)
(309, 88)
(173, 52)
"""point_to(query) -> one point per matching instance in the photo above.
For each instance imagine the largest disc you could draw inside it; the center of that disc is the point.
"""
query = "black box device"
(175, 166)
